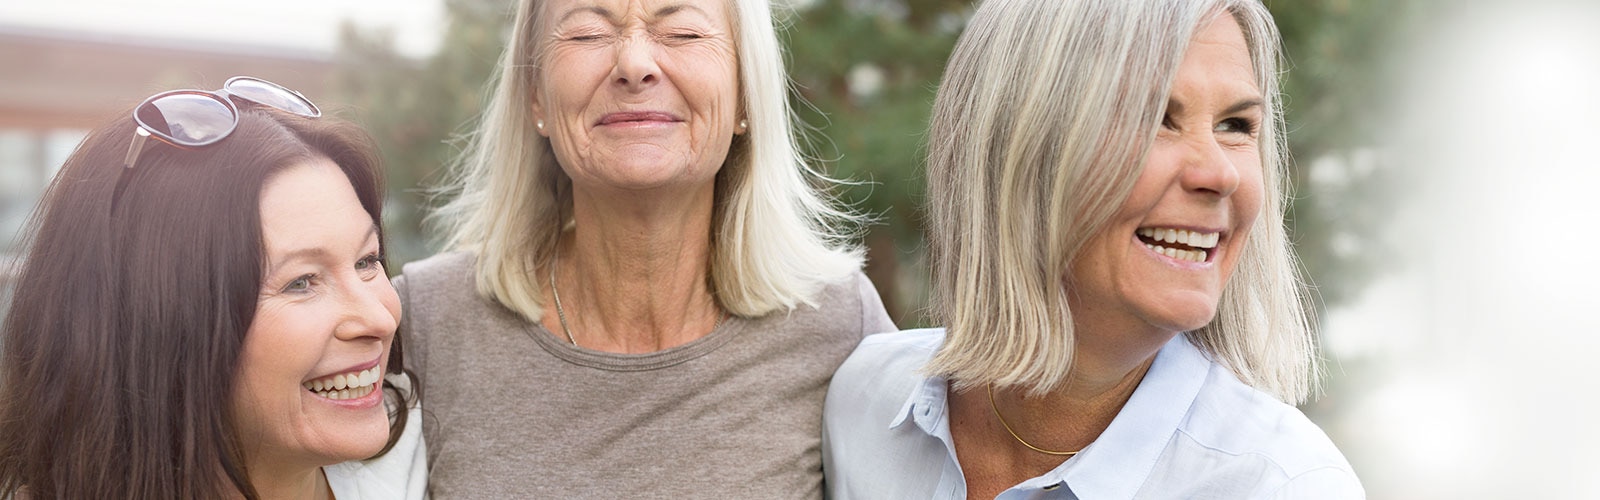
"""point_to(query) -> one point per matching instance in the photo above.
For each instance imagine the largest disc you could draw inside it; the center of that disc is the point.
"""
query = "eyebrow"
(596, 9)
(1175, 107)
(606, 13)
(312, 253)
(1243, 105)
(679, 7)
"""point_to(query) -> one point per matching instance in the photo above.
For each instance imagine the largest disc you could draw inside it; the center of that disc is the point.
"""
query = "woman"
(210, 317)
(644, 293)
(1124, 320)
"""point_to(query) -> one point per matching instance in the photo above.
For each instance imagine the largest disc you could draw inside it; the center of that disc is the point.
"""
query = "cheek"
(1163, 166)
(280, 350)
(705, 75)
(571, 77)
(1250, 198)
(256, 404)
(1247, 203)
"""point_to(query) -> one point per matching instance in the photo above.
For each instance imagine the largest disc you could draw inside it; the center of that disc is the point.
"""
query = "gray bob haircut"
(777, 239)
(1042, 124)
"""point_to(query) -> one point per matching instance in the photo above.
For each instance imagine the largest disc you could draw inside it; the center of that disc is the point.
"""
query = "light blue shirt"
(1190, 430)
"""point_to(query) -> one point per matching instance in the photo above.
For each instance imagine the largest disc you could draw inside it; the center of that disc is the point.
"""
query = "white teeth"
(352, 393)
(346, 385)
(1188, 255)
(1180, 236)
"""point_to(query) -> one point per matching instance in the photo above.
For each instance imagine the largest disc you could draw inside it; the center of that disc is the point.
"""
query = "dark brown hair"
(118, 355)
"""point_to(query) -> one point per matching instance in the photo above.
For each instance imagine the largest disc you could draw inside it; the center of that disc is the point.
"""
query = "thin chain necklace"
(559, 312)
(1003, 423)
(562, 314)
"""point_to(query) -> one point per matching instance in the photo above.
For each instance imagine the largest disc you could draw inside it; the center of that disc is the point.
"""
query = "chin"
(351, 440)
(372, 439)
(1180, 315)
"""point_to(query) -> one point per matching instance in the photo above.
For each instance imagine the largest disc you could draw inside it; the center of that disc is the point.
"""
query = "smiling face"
(1162, 261)
(306, 392)
(638, 94)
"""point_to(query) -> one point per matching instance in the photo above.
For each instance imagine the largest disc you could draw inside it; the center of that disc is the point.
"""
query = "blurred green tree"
(866, 73)
(1346, 185)
(417, 111)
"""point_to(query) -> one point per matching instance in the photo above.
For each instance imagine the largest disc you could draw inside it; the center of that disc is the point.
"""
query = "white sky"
(296, 24)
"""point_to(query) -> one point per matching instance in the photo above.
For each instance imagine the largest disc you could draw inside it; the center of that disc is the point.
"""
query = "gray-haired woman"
(1123, 316)
(644, 294)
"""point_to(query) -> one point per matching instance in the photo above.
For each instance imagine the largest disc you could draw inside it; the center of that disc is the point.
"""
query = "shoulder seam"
(1291, 479)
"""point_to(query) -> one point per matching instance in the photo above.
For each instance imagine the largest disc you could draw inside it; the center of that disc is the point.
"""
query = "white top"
(1190, 430)
(400, 474)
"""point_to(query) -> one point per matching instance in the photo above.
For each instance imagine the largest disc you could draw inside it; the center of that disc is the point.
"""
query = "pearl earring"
(743, 124)
(539, 124)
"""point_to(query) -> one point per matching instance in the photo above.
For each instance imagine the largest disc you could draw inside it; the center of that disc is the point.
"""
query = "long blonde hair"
(1040, 128)
(777, 238)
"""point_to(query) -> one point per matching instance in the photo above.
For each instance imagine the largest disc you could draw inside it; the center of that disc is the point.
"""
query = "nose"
(371, 311)
(636, 67)
(1209, 169)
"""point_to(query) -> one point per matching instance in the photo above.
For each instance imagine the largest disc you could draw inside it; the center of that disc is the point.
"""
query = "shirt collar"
(1117, 464)
(926, 406)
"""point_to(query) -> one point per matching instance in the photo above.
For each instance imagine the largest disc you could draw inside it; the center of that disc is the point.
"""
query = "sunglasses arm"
(139, 136)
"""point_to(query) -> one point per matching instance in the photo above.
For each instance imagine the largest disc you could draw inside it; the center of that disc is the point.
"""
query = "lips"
(641, 117)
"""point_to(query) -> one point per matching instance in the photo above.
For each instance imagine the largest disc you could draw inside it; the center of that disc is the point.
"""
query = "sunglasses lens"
(272, 95)
(187, 119)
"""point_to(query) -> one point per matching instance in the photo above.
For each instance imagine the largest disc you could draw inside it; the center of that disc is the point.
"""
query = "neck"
(289, 482)
(1106, 369)
(1070, 418)
(633, 272)
(1108, 364)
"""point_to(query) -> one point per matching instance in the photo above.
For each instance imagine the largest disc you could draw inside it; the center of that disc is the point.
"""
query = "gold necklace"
(1014, 435)
(561, 314)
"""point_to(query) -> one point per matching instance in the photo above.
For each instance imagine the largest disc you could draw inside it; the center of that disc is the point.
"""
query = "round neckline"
(625, 362)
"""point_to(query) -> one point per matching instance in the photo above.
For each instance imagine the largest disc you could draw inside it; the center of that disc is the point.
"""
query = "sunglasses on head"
(197, 118)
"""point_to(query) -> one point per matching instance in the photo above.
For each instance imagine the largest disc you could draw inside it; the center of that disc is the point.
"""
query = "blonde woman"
(644, 295)
(1123, 316)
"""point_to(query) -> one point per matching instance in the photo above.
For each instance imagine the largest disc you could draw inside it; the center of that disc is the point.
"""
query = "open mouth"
(1179, 244)
(350, 385)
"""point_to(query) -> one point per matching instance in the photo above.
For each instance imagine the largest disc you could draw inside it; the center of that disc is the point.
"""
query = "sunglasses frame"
(143, 131)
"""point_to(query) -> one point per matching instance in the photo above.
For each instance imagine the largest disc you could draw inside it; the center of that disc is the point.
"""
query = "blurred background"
(1446, 154)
